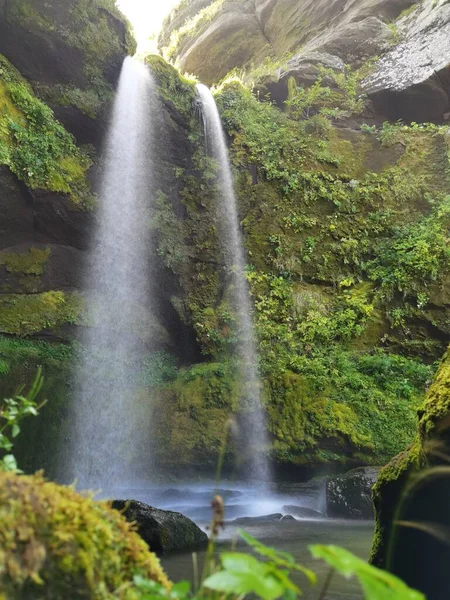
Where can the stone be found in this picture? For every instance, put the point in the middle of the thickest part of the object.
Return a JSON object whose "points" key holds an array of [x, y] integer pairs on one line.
{"points": [[348, 496], [412, 80], [163, 530], [72, 52], [288, 518], [257, 520], [302, 511]]}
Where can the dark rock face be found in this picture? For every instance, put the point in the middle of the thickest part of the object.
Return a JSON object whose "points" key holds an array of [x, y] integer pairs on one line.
{"points": [[72, 52], [349, 495], [419, 557], [412, 81], [163, 530]]}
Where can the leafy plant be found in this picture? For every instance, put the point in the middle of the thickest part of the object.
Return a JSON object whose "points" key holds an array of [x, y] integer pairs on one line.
{"points": [[12, 412], [376, 584]]}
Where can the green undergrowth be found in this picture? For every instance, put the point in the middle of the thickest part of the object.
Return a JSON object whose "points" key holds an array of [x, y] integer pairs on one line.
{"points": [[34, 145]]}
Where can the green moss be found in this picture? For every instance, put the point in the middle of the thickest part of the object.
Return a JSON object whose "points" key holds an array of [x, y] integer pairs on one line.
{"points": [[173, 87], [27, 314], [59, 544], [31, 263], [35, 146]]}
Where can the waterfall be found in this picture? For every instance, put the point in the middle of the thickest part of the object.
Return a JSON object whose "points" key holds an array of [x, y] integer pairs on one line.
{"points": [[109, 421], [252, 437]]}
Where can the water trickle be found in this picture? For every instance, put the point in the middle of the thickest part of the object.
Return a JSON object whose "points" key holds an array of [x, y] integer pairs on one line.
{"points": [[253, 433], [109, 422]]}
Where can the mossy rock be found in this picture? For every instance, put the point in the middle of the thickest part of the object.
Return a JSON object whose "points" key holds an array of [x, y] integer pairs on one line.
{"points": [[395, 478], [56, 543]]}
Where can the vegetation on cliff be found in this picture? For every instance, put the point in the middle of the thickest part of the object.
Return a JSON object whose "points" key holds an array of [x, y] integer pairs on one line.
{"points": [[37, 149], [347, 239]]}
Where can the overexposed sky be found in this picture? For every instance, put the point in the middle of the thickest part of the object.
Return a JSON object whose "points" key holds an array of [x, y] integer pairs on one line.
{"points": [[146, 17]]}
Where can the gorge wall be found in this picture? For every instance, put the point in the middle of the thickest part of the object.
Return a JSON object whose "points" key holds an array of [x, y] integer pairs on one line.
{"points": [[345, 220]]}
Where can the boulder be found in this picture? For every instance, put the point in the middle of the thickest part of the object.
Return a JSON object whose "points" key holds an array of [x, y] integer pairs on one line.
{"points": [[349, 495], [302, 511], [163, 530], [258, 520]]}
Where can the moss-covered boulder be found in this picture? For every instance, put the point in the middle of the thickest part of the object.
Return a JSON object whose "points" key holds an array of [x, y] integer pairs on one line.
{"points": [[55, 543], [429, 448]]}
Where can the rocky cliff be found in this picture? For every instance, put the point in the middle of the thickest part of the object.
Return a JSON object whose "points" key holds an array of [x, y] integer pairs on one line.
{"points": [[345, 217], [405, 41]]}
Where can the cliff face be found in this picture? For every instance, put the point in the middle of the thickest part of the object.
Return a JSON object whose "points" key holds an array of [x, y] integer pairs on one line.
{"points": [[276, 40], [71, 52], [345, 222]]}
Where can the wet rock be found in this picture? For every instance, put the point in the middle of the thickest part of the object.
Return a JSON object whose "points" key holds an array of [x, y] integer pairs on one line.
{"points": [[163, 530], [288, 518], [348, 496], [302, 511], [412, 81], [258, 520]]}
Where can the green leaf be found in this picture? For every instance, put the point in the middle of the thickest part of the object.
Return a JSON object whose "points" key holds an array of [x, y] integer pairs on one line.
{"points": [[377, 584], [9, 463], [245, 583], [15, 430], [281, 559]]}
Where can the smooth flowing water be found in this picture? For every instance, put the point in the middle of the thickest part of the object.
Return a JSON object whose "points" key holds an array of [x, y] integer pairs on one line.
{"points": [[252, 438], [110, 423]]}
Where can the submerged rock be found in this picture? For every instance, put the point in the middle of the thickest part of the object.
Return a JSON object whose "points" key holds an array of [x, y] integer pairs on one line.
{"points": [[163, 530], [258, 520], [349, 495], [302, 512]]}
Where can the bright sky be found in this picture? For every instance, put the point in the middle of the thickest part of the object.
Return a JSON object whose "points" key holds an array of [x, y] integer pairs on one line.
{"points": [[146, 17]]}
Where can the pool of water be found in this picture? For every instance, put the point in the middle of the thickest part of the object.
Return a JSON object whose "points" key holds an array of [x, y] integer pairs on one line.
{"points": [[293, 537], [242, 500]]}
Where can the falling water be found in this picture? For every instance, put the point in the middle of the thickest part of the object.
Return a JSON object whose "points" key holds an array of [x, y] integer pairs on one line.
{"points": [[253, 437], [107, 445]]}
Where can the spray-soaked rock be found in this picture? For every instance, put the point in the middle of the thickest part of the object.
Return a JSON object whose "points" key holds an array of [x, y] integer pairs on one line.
{"points": [[163, 530], [349, 495]]}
